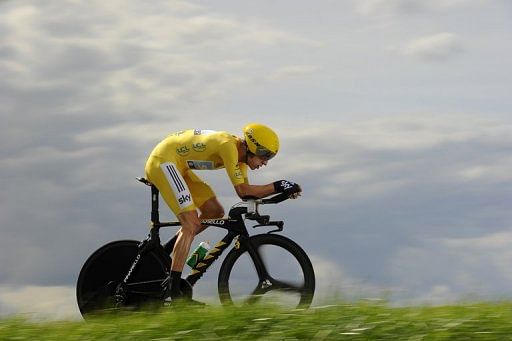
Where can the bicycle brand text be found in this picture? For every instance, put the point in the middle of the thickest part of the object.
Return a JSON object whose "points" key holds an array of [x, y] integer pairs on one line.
{"points": [[213, 221]]}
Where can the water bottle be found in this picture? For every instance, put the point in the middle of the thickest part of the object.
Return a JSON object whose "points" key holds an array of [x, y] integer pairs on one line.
{"points": [[198, 254]]}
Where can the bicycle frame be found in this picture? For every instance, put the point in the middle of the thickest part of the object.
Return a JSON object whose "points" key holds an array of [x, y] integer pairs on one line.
{"points": [[135, 274], [234, 225]]}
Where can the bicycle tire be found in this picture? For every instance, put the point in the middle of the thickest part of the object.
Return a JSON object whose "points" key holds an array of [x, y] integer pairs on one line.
{"points": [[287, 248], [107, 267]]}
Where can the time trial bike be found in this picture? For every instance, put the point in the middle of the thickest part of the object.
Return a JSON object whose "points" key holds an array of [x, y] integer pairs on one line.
{"points": [[266, 267]]}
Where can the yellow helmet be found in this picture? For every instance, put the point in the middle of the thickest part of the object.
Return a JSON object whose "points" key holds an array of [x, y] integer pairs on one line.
{"points": [[261, 140]]}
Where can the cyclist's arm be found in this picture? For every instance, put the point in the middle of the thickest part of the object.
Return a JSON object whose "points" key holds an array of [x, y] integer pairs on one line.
{"points": [[258, 191], [237, 173]]}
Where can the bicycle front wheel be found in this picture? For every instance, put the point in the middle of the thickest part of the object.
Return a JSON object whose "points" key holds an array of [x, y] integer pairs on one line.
{"points": [[278, 272], [106, 268]]}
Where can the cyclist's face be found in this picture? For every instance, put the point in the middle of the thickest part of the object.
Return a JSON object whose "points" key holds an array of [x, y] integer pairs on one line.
{"points": [[255, 162]]}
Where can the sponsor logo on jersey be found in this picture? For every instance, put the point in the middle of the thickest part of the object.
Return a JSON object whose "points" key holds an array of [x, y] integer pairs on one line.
{"points": [[183, 150], [203, 131], [200, 164], [199, 147], [178, 184], [238, 172], [184, 199]]}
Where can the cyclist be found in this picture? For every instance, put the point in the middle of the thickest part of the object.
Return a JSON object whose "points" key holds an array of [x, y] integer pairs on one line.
{"points": [[170, 167]]}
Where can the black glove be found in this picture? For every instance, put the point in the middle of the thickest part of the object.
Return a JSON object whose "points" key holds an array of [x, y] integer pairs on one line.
{"points": [[288, 187]]}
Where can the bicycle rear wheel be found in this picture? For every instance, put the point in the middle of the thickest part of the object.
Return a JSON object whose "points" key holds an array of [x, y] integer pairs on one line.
{"points": [[289, 280], [106, 268]]}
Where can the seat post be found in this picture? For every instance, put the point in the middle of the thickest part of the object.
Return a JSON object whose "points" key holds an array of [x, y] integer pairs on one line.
{"points": [[155, 217]]}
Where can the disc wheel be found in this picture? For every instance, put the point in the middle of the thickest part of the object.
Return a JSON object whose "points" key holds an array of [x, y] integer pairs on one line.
{"points": [[98, 287], [289, 279]]}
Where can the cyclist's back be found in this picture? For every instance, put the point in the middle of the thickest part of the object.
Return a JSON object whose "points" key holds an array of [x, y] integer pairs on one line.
{"points": [[202, 150]]}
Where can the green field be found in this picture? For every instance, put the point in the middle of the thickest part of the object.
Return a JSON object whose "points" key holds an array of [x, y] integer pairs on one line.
{"points": [[343, 321]]}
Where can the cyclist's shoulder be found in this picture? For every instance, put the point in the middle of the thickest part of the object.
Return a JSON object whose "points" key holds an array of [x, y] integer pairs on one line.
{"points": [[222, 138], [207, 134], [212, 138]]}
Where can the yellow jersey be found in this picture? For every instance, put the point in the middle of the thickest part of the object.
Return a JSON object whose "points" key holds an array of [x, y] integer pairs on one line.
{"points": [[197, 149]]}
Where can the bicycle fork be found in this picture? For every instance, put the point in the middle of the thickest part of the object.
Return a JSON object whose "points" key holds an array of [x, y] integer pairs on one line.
{"points": [[265, 282]]}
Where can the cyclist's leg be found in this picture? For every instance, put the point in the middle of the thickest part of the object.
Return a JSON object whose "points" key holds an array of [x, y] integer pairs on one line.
{"points": [[173, 188], [204, 198], [211, 209], [170, 183], [190, 225], [175, 192]]}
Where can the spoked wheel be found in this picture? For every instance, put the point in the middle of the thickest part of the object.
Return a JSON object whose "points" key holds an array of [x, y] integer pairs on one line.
{"points": [[286, 278], [99, 279]]}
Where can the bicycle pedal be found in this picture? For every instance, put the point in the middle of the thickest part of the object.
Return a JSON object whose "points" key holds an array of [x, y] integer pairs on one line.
{"points": [[120, 300]]}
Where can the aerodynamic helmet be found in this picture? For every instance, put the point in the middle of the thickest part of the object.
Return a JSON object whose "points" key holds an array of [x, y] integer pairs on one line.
{"points": [[261, 140]]}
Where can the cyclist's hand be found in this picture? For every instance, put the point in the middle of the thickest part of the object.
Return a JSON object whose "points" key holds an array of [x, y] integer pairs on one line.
{"points": [[295, 195], [291, 188]]}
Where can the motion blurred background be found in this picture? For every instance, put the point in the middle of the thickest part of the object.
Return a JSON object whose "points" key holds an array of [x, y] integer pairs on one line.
{"points": [[393, 115]]}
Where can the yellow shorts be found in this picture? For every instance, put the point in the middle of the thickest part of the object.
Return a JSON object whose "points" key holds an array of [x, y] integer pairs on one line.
{"points": [[181, 189]]}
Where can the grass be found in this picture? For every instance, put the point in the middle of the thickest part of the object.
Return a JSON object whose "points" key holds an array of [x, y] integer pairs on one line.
{"points": [[355, 321]]}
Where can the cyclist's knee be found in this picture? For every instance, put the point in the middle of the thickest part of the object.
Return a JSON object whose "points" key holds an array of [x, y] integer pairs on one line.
{"points": [[190, 230], [190, 223], [218, 212], [212, 209]]}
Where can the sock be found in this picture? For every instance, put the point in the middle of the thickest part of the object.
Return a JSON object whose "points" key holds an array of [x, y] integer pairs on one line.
{"points": [[175, 284]]}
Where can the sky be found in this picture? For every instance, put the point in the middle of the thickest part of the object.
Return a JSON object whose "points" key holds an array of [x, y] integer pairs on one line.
{"points": [[394, 117]]}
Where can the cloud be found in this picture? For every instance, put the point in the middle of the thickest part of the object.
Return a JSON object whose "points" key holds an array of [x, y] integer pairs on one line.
{"points": [[493, 249], [54, 303], [453, 269], [87, 89], [437, 47], [407, 6], [333, 282], [380, 156], [294, 71], [436, 295], [376, 187], [394, 193], [136, 69]]}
